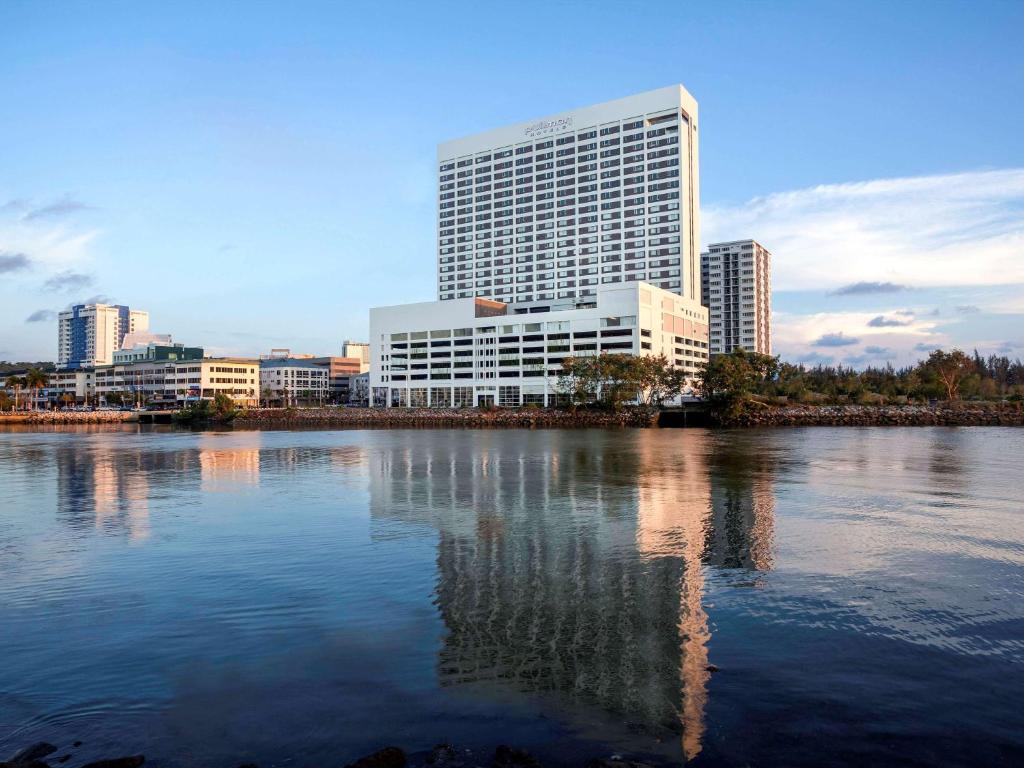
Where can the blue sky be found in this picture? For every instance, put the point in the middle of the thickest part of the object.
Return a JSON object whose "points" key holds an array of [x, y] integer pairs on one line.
{"points": [[237, 169]]}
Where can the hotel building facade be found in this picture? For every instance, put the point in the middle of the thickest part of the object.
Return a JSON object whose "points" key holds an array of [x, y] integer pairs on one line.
{"points": [[545, 212], [571, 235], [737, 291]]}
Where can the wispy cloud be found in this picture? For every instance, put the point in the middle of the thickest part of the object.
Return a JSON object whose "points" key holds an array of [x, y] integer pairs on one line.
{"points": [[875, 351], [967, 309], [835, 340], [865, 288], [878, 236], [881, 321], [41, 316], [68, 281], [99, 298], [43, 234], [63, 207], [13, 262]]}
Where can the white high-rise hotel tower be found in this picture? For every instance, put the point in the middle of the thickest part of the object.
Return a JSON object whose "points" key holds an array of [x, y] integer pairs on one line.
{"points": [[542, 213], [568, 236]]}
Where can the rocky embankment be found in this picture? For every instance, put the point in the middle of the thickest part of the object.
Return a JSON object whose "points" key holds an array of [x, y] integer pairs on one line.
{"points": [[43, 755], [444, 417], [69, 417], [958, 414]]}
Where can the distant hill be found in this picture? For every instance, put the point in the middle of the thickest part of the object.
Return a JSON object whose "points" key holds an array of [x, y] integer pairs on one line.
{"points": [[7, 366]]}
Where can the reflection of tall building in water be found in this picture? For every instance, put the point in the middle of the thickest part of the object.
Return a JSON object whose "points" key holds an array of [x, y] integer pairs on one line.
{"points": [[120, 495], [567, 569], [107, 486], [743, 502], [227, 460]]}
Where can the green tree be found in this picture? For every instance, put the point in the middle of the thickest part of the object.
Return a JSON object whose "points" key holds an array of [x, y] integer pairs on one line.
{"points": [[578, 380], [35, 380], [727, 382], [224, 408], [16, 383], [950, 369]]}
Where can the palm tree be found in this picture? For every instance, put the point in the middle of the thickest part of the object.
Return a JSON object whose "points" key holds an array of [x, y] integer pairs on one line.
{"points": [[15, 383], [35, 380]]}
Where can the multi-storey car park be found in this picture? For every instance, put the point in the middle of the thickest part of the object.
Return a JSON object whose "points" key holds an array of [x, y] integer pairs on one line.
{"points": [[544, 212], [474, 352]]}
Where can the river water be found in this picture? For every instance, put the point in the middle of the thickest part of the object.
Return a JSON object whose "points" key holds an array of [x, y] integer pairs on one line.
{"points": [[773, 597]]}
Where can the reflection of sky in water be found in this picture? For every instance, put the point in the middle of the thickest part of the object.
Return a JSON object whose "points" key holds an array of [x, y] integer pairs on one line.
{"points": [[313, 595]]}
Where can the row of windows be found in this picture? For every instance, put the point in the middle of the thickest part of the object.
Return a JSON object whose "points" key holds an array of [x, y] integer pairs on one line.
{"points": [[607, 135]]}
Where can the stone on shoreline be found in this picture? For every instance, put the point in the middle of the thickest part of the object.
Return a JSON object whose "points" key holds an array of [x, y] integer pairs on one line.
{"points": [[389, 757], [508, 757], [32, 753], [133, 761]]}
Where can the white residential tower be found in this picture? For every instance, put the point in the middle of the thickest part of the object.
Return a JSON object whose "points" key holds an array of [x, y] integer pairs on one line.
{"points": [[737, 291]]}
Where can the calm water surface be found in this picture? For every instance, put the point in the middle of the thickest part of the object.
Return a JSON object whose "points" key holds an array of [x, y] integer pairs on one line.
{"points": [[794, 597]]}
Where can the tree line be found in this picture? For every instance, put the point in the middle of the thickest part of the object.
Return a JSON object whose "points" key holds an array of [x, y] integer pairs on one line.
{"points": [[33, 380], [730, 380]]}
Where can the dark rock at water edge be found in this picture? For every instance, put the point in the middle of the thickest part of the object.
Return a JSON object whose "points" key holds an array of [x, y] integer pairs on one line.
{"points": [[508, 757], [447, 756], [31, 754], [134, 761], [389, 757]]}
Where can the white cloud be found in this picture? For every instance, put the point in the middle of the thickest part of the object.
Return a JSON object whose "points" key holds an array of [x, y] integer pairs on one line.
{"points": [[49, 243], [951, 230], [848, 337]]}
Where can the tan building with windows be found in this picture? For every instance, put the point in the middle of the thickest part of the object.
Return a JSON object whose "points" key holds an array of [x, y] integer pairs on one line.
{"points": [[182, 381]]}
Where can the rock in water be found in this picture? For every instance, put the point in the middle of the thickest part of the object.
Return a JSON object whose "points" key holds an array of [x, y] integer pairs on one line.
{"points": [[443, 755], [507, 757], [118, 762], [31, 754], [389, 757]]}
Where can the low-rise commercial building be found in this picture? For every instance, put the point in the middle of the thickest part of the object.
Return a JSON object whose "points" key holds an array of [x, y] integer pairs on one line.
{"points": [[473, 352], [340, 371], [72, 386], [176, 382], [294, 382], [360, 389], [154, 351]]}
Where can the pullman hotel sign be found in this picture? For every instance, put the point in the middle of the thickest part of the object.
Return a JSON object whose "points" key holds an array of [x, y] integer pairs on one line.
{"points": [[547, 127]]}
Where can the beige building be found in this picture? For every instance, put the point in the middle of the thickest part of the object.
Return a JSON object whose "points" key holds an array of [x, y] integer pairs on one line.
{"points": [[359, 350], [182, 381], [737, 291], [78, 383]]}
